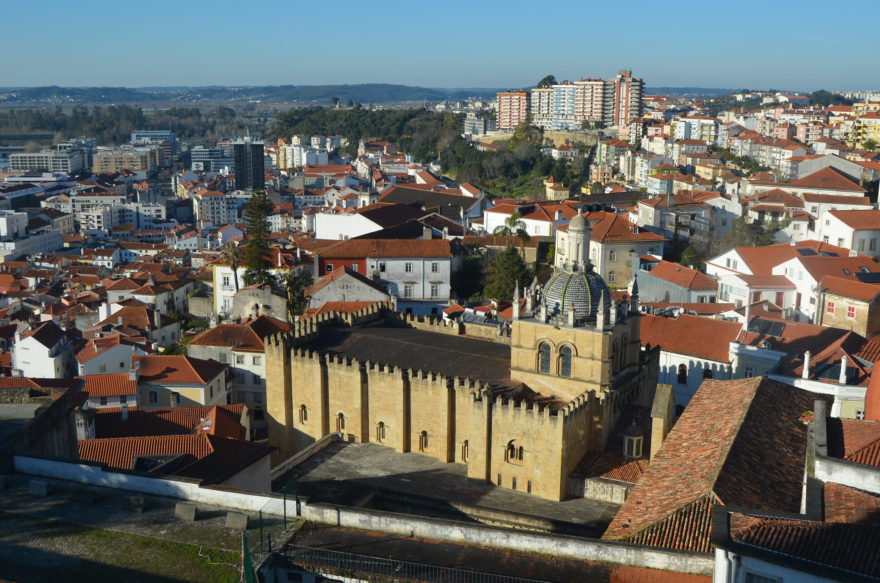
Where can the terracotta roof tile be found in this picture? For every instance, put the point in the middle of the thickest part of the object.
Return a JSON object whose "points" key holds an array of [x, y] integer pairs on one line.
{"points": [[827, 179], [390, 248], [221, 420], [706, 338], [176, 369], [737, 443], [850, 288], [109, 385], [683, 276], [859, 220]]}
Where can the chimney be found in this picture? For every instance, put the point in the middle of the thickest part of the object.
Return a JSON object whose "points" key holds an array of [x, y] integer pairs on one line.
{"points": [[842, 379], [805, 374]]}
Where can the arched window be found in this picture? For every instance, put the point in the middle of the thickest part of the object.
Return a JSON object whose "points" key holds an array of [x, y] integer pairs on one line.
{"points": [[511, 452], [340, 422], [682, 374], [303, 414], [544, 358], [423, 441], [464, 451], [513, 483], [380, 431], [520, 453], [565, 361], [707, 373]]}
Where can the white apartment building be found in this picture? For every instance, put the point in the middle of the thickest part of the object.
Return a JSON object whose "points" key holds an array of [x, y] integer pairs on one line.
{"points": [[66, 161]]}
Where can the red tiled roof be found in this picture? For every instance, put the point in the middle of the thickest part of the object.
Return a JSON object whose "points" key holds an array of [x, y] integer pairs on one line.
{"points": [[837, 199], [859, 220], [247, 336], [696, 336], [738, 443], [109, 385], [221, 420], [389, 248], [848, 547], [849, 505], [762, 260], [683, 276], [177, 369], [850, 288], [207, 457]]}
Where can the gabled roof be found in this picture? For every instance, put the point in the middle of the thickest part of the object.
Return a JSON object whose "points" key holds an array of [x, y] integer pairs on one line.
{"points": [[682, 276], [613, 228], [867, 220], [849, 288], [705, 338], [247, 336], [220, 420], [48, 334], [177, 370], [109, 385], [827, 179], [762, 260], [340, 273], [389, 248], [837, 199], [206, 457], [738, 443]]}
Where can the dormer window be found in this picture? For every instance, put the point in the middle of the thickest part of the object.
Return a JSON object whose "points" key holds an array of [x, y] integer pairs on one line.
{"points": [[633, 441]]}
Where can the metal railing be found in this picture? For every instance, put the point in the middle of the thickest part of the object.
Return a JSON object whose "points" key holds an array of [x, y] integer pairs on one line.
{"points": [[364, 566]]}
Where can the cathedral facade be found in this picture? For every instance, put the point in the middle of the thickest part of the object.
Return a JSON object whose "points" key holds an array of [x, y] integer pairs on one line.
{"points": [[520, 411]]}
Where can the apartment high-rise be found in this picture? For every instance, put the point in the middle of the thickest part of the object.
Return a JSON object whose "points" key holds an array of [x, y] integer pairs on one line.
{"points": [[589, 100], [623, 98], [513, 109], [249, 164]]}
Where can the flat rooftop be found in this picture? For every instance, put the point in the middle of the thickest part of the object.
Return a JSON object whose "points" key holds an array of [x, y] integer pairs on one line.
{"points": [[452, 356], [378, 477]]}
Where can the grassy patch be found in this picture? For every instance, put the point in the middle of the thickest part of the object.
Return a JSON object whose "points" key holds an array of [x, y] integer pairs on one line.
{"points": [[36, 550]]}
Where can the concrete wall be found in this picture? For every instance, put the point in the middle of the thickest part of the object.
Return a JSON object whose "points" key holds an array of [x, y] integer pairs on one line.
{"points": [[402, 525], [606, 490]]}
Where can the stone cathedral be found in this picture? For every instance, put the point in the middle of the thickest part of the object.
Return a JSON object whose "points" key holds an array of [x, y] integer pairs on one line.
{"points": [[519, 409]]}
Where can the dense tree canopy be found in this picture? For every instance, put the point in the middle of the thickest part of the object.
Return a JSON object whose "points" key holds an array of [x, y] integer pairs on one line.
{"points": [[504, 273]]}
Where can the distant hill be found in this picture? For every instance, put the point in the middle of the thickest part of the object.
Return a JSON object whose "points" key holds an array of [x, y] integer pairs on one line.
{"points": [[304, 94]]}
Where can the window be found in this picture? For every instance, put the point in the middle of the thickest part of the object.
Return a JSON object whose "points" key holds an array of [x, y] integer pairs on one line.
{"points": [[223, 357], [682, 374], [464, 450], [520, 453], [226, 281], [303, 414], [707, 373], [840, 241], [407, 267], [851, 312], [544, 358], [354, 267], [861, 244], [407, 290], [513, 483], [121, 365], [872, 245], [499, 479], [435, 267], [211, 391], [329, 267], [380, 432], [510, 454], [612, 256], [175, 398], [748, 372], [340, 422], [633, 446], [435, 290], [565, 361], [153, 397], [423, 441], [239, 359], [123, 399], [830, 308], [102, 368], [860, 414], [257, 360], [103, 400], [382, 266]]}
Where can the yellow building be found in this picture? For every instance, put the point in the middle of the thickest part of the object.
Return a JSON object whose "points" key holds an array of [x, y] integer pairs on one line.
{"points": [[520, 411], [866, 127]]}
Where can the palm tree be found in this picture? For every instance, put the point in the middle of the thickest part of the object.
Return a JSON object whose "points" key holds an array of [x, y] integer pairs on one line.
{"points": [[513, 226], [232, 255]]}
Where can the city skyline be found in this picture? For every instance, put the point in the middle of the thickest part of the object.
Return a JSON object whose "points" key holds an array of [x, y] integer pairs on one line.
{"points": [[489, 45]]}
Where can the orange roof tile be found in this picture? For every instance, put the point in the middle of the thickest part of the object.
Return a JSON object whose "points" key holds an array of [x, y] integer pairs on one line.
{"points": [[827, 179], [109, 385], [706, 338], [683, 276], [176, 369]]}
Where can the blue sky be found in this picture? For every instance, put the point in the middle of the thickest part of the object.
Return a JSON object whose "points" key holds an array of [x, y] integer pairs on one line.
{"points": [[802, 45]]}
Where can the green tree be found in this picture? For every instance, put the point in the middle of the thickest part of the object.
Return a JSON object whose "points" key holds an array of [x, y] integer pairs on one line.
{"points": [[513, 226], [256, 218], [469, 279], [869, 144], [742, 233], [295, 284], [547, 81], [506, 271], [232, 255]]}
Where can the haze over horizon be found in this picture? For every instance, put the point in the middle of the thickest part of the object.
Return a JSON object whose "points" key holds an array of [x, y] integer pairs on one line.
{"points": [[463, 45]]}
